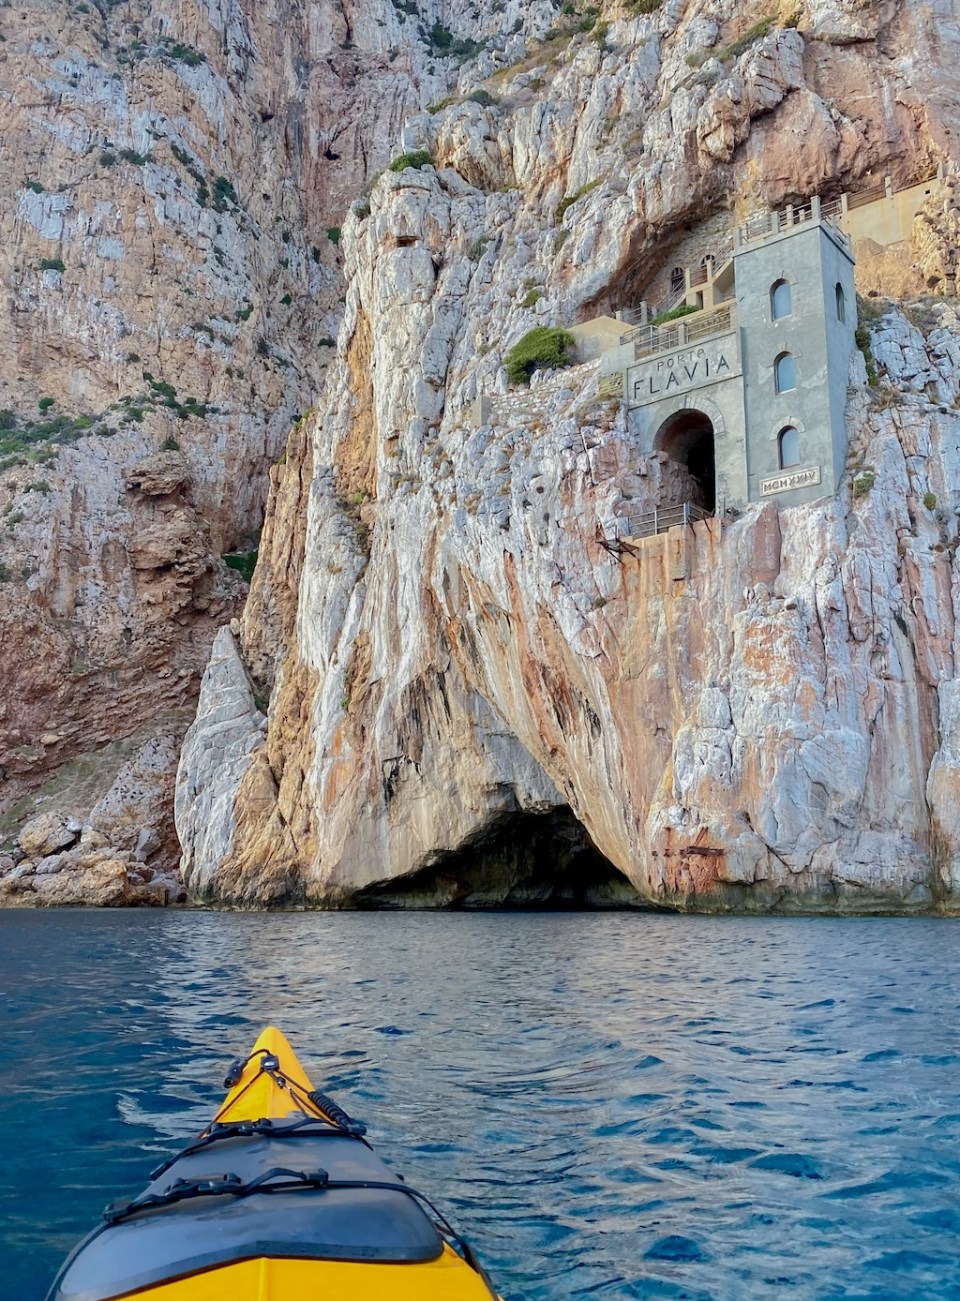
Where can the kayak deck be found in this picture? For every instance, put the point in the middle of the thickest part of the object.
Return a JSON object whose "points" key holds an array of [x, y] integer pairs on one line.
{"points": [[447, 1279], [280, 1197], [257, 1094]]}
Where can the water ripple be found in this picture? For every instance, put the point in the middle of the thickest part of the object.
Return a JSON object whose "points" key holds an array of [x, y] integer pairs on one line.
{"points": [[611, 1106]]}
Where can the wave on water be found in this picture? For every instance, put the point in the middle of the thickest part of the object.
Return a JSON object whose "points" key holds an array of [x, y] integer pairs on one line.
{"points": [[610, 1105]]}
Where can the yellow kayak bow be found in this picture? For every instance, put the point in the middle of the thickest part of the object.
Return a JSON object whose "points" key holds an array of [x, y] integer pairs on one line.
{"points": [[280, 1197]]}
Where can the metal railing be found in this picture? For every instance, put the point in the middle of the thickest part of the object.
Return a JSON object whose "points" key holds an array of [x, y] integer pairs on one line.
{"points": [[863, 197], [723, 253], [886, 189], [697, 276], [647, 524], [648, 340], [704, 325], [758, 226], [668, 301]]}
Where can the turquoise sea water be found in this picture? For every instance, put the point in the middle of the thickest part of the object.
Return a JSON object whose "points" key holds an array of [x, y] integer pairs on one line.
{"points": [[609, 1105]]}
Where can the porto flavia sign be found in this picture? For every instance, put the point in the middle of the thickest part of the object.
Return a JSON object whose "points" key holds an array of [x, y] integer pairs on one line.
{"points": [[678, 371]]}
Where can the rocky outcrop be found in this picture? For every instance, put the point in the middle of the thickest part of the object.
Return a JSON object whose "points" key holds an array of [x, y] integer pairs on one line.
{"points": [[943, 793], [58, 862], [771, 69], [108, 622], [175, 177], [121, 852], [937, 236], [761, 733], [173, 236], [88, 879], [216, 757], [456, 644]]}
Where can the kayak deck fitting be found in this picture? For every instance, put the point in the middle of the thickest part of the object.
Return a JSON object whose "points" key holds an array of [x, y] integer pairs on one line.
{"points": [[280, 1197]]}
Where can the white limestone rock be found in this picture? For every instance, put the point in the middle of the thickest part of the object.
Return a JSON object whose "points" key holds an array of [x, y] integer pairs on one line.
{"points": [[446, 641], [760, 733], [217, 751]]}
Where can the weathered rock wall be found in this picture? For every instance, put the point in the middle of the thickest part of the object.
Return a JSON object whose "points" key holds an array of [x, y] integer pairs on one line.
{"points": [[758, 733], [174, 178], [765, 722]]}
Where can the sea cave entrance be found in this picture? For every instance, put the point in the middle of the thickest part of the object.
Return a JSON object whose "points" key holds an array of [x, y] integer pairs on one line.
{"points": [[519, 861], [687, 438]]}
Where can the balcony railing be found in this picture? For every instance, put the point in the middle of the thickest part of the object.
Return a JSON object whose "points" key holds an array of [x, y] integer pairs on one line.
{"points": [[863, 197], [649, 340], [646, 524], [759, 226], [887, 189]]}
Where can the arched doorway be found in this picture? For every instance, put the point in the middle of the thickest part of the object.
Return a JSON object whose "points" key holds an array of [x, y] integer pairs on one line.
{"points": [[687, 438]]}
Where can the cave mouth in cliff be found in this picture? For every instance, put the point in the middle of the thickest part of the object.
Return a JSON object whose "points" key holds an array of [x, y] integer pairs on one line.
{"points": [[687, 438], [518, 861]]}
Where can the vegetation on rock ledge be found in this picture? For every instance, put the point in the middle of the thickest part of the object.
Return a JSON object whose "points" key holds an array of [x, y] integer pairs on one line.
{"points": [[570, 199], [684, 309], [24, 441], [417, 158], [244, 562], [543, 347]]}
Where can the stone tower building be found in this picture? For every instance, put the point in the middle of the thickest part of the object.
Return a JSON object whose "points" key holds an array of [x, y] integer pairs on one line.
{"points": [[747, 389]]}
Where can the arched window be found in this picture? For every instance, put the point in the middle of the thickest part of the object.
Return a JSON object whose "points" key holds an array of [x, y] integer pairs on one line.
{"points": [[781, 300], [677, 279], [788, 446], [785, 372], [841, 303]]}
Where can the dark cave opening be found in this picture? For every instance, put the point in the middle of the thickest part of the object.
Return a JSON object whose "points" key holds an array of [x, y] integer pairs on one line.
{"points": [[520, 861], [687, 438]]}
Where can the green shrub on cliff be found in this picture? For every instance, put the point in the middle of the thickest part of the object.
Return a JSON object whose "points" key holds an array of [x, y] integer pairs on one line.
{"points": [[443, 42], [417, 159], [685, 309], [24, 441], [865, 344], [569, 200], [543, 347], [244, 562], [755, 33]]}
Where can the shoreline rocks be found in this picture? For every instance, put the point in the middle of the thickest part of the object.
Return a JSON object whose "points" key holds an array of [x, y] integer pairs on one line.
{"points": [[59, 862]]}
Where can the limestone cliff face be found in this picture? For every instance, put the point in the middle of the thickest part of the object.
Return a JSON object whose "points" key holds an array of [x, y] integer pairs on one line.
{"points": [[448, 648], [174, 176]]}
